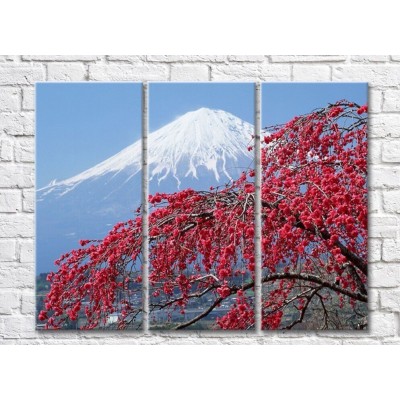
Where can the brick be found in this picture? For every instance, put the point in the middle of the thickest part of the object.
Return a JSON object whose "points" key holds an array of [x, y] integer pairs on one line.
{"points": [[189, 72], [126, 58], [7, 250], [28, 98], [382, 324], [384, 125], [16, 176], [374, 250], [375, 99], [391, 101], [382, 227], [28, 200], [391, 201], [20, 75], [13, 58], [71, 58], [16, 225], [16, 276], [373, 299], [18, 326], [371, 58], [66, 72], [17, 123], [24, 150], [6, 150], [26, 251], [28, 303], [10, 201], [390, 299], [244, 58], [384, 275], [10, 99], [188, 58], [306, 73], [374, 152], [9, 301], [385, 177], [374, 201], [391, 151], [395, 58], [127, 72], [240, 72], [305, 58], [374, 74], [391, 250], [275, 72]]}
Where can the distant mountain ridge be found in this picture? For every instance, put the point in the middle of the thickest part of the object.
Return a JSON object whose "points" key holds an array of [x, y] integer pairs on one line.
{"points": [[200, 149]]}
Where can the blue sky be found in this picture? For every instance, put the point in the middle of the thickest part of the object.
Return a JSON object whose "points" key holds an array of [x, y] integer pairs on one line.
{"points": [[283, 101], [81, 124], [167, 101]]}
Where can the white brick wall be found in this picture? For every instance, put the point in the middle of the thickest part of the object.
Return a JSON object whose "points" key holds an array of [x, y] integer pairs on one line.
{"points": [[17, 76]]}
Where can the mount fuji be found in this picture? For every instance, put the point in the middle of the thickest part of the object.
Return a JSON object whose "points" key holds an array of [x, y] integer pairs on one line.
{"points": [[200, 149]]}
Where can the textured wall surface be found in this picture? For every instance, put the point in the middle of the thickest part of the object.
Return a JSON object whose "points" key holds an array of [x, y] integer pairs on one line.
{"points": [[17, 166]]}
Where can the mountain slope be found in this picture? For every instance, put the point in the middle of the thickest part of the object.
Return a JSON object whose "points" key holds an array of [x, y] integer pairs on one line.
{"points": [[202, 148]]}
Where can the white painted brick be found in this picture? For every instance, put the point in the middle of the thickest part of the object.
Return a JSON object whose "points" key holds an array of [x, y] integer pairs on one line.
{"points": [[391, 250], [16, 225], [28, 303], [382, 227], [9, 301], [375, 99], [24, 150], [7, 250], [374, 201], [384, 275], [188, 58], [374, 74], [275, 73], [391, 151], [10, 200], [390, 299], [368, 59], [305, 73], [384, 125], [18, 326], [382, 324], [374, 152], [385, 177], [28, 98], [127, 72], [13, 58], [21, 123], [66, 72], [25, 251], [61, 58], [391, 102], [240, 72], [16, 176], [20, 75], [374, 250], [296, 59], [373, 299], [244, 58], [28, 200], [15, 276], [189, 72], [126, 58], [6, 150], [391, 201], [395, 58], [10, 99]]}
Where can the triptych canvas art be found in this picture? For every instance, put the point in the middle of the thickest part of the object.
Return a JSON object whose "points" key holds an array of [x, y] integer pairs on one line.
{"points": [[179, 249]]}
